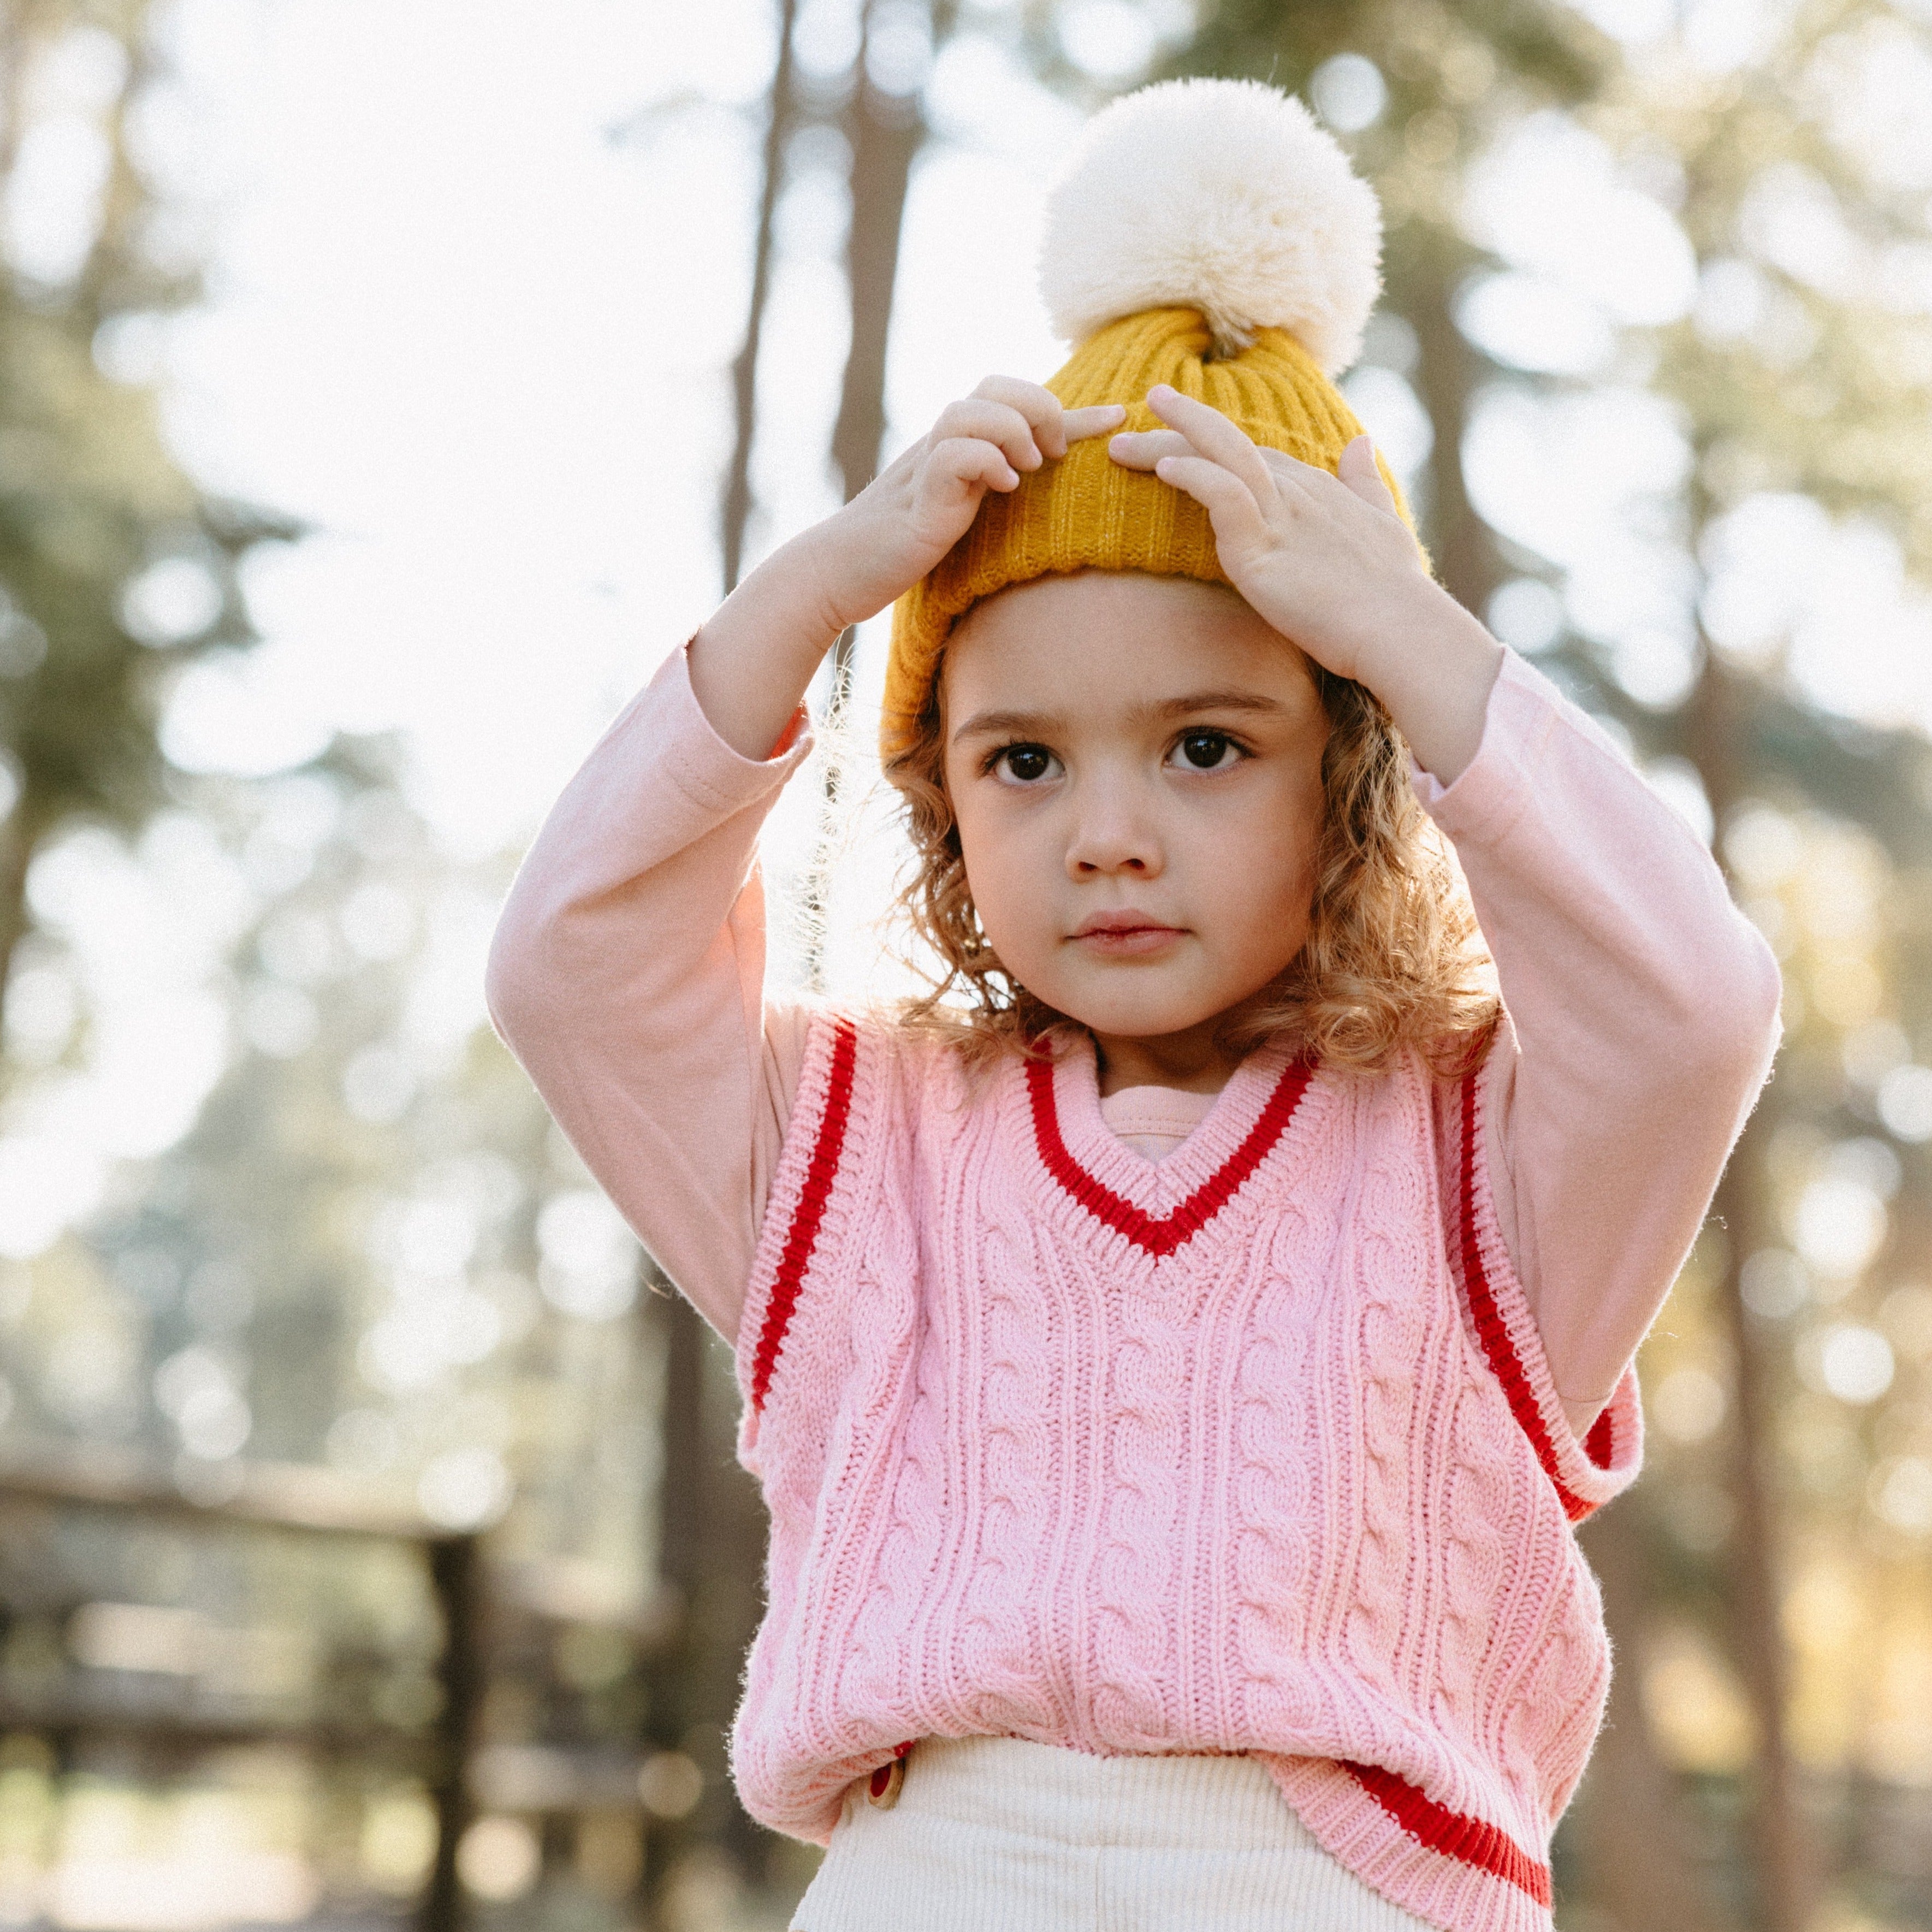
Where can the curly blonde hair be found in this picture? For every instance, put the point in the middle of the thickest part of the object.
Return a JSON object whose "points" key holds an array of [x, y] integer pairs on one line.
{"points": [[1393, 960]]}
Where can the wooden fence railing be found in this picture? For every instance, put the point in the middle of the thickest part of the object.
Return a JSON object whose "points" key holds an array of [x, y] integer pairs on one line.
{"points": [[306, 1501]]}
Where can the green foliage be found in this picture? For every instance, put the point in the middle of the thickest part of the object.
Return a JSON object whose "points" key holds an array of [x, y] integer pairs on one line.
{"points": [[115, 567]]}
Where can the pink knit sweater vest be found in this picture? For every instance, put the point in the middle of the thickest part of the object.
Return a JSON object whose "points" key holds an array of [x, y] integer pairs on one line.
{"points": [[1252, 1449]]}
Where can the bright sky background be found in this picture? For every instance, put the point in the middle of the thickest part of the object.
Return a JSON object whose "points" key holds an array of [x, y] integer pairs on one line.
{"points": [[478, 284], [478, 336], [476, 271]]}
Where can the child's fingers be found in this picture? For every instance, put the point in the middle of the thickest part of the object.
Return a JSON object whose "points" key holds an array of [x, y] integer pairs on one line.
{"points": [[1290, 473], [1142, 449], [1045, 420], [1095, 419], [1357, 471], [1362, 474], [1313, 472], [1213, 436], [1229, 501], [996, 423], [972, 459]]}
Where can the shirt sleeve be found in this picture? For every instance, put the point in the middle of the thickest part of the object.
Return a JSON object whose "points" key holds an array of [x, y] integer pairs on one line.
{"points": [[627, 975], [1641, 1019]]}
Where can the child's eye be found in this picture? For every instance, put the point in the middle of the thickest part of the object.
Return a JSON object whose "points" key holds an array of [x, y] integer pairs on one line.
{"points": [[1023, 764], [1204, 751]]}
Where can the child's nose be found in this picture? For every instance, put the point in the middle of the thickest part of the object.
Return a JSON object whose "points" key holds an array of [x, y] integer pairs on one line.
{"points": [[1114, 834]]}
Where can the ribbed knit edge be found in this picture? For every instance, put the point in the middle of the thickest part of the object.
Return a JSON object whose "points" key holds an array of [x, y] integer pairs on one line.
{"points": [[817, 1137], [1225, 1151], [1354, 1827], [1344, 1816], [1587, 1474], [832, 1133], [1086, 511]]}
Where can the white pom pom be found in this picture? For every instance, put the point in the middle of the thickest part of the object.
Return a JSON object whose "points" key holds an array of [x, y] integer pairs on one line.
{"points": [[1219, 195]]}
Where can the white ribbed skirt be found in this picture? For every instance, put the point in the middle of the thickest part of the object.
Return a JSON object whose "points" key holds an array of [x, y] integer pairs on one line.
{"points": [[998, 1834]]}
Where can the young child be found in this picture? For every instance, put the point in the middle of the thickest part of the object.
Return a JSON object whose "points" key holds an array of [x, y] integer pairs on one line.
{"points": [[1176, 1360]]}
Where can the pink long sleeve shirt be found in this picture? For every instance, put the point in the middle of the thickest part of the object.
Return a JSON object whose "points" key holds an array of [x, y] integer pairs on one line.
{"points": [[627, 976]]}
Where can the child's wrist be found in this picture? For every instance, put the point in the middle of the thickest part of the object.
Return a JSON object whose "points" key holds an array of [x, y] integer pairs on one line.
{"points": [[1422, 637], [824, 568], [1433, 664], [801, 579], [753, 657]]}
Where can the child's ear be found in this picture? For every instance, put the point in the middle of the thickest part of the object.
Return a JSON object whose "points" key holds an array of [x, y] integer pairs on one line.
{"points": [[1359, 470]]}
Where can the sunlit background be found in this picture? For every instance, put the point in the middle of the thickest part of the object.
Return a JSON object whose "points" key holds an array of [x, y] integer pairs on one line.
{"points": [[370, 1548]]}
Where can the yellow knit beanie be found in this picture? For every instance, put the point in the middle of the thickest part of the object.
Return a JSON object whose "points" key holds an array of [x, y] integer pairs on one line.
{"points": [[1206, 235]]}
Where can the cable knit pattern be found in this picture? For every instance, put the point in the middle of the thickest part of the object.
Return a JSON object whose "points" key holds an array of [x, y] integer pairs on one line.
{"points": [[1252, 1449]]}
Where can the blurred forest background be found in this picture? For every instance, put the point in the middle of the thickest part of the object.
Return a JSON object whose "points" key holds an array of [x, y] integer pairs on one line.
{"points": [[371, 1549]]}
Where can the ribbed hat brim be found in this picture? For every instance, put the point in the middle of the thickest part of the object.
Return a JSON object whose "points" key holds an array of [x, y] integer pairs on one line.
{"points": [[1088, 512]]}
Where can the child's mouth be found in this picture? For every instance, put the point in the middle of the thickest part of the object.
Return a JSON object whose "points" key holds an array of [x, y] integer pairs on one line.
{"points": [[1126, 934]]}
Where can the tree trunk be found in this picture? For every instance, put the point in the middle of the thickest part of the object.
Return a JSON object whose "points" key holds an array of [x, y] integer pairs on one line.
{"points": [[671, 1678], [711, 1565], [1638, 1868], [1782, 1854], [885, 132], [455, 1574], [17, 843], [18, 30], [699, 1503], [735, 511], [1460, 544]]}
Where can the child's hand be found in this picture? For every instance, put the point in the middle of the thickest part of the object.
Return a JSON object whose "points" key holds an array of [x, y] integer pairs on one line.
{"points": [[754, 657], [1315, 554], [1328, 562], [890, 535]]}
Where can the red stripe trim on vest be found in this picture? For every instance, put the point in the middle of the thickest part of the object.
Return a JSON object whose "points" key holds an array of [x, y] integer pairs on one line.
{"points": [[1493, 1332], [802, 1237], [1163, 1236], [1468, 1840]]}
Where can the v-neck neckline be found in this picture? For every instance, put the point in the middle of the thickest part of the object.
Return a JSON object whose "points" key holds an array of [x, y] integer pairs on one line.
{"points": [[1159, 1205]]}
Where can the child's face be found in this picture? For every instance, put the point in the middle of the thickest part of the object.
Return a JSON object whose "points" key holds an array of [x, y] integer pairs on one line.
{"points": [[1134, 763]]}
